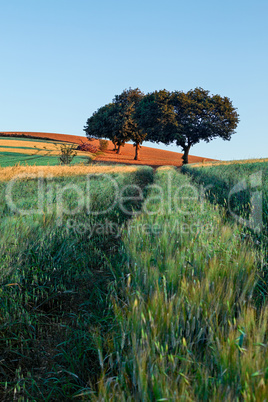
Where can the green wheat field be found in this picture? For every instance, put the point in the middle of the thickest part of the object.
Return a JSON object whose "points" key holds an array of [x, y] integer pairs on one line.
{"points": [[161, 297]]}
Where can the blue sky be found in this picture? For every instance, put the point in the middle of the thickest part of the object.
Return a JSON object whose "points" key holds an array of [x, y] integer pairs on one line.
{"points": [[63, 59]]}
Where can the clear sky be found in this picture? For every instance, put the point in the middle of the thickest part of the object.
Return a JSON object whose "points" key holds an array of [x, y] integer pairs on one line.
{"points": [[63, 59]]}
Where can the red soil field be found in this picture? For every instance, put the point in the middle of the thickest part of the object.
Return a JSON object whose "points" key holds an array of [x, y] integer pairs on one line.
{"points": [[148, 156]]}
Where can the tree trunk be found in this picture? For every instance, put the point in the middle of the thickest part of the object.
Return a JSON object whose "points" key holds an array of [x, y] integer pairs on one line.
{"points": [[186, 154], [115, 146], [137, 152], [118, 149]]}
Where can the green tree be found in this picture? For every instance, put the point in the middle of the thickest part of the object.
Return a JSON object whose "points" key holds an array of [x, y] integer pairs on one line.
{"points": [[117, 122], [156, 117], [126, 126], [100, 124], [163, 116], [201, 116], [187, 118]]}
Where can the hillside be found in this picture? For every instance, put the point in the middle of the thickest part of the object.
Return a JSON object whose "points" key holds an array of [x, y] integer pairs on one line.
{"points": [[148, 156]]}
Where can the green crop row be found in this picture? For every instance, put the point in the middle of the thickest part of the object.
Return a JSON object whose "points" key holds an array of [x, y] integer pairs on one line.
{"points": [[190, 324], [55, 275], [13, 158], [242, 189]]}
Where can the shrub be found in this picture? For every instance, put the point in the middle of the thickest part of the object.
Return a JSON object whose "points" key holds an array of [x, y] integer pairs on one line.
{"points": [[67, 153], [87, 148], [103, 145]]}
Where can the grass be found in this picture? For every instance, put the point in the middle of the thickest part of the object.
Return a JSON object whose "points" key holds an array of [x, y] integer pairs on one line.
{"points": [[158, 299], [232, 162], [13, 158], [187, 325], [55, 281], [239, 188]]}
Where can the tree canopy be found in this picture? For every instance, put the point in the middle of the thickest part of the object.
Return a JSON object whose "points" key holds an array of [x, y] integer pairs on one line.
{"points": [[117, 122], [200, 116], [127, 126], [187, 118], [101, 123], [163, 116]]}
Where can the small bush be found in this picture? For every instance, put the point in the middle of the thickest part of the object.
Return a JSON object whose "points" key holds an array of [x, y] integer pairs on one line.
{"points": [[87, 148], [67, 153], [103, 145]]}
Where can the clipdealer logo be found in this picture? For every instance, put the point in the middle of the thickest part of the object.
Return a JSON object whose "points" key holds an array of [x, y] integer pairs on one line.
{"points": [[51, 199]]}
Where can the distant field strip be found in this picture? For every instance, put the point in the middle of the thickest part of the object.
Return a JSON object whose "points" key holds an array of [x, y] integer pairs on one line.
{"points": [[35, 151], [30, 147], [12, 159], [30, 152], [234, 162], [10, 172], [30, 140]]}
